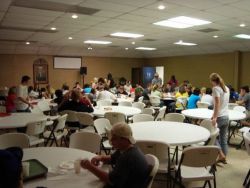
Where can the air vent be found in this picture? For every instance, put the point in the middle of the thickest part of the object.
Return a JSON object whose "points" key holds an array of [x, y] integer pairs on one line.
{"points": [[208, 30], [114, 46], [53, 6], [149, 40], [28, 29]]}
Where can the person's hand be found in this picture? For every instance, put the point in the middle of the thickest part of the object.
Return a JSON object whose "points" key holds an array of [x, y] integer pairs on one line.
{"points": [[31, 105], [96, 160], [214, 121], [85, 164]]}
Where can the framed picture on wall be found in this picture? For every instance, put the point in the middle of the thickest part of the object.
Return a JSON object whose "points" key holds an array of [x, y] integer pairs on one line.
{"points": [[40, 73]]}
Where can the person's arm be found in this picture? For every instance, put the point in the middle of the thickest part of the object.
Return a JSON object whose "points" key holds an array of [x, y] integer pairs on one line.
{"points": [[216, 110]]}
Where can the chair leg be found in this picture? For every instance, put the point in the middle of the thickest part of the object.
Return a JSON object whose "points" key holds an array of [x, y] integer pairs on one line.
{"points": [[209, 184], [247, 180]]}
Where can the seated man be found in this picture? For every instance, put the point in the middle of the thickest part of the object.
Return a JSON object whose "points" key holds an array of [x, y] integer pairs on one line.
{"points": [[244, 100], [130, 168]]}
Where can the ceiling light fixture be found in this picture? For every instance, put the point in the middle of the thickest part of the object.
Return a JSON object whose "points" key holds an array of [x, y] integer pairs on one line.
{"points": [[185, 43], [126, 48], [90, 48], [242, 25], [161, 5], [27, 42], [242, 36], [97, 42], [145, 48], [133, 43], [215, 36], [74, 16], [53, 28], [70, 38], [126, 35], [182, 22]]}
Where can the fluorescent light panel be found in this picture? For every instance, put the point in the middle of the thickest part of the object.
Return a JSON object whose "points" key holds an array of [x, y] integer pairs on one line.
{"points": [[182, 22], [126, 35], [97, 42], [185, 43], [145, 48], [242, 36]]}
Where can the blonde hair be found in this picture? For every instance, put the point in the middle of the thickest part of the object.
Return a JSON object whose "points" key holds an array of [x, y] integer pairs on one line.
{"points": [[215, 77]]}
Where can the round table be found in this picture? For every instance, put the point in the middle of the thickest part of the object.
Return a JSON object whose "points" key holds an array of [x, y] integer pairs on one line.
{"points": [[172, 133], [51, 157], [126, 99], [128, 111], [16, 120], [203, 113]]}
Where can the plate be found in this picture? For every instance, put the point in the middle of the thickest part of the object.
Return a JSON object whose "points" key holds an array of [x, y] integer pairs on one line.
{"points": [[68, 165]]}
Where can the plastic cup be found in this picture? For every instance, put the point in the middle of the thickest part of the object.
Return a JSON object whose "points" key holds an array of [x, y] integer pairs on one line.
{"points": [[77, 166], [26, 168]]}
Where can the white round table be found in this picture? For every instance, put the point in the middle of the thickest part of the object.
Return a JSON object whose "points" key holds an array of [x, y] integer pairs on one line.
{"points": [[203, 113], [16, 120], [51, 157], [128, 111], [172, 133]]}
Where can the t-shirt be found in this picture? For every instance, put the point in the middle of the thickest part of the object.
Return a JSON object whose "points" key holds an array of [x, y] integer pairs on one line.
{"points": [[246, 99], [10, 103], [192, 101], [224, 100], [156, 93], [75, 106], [207, 98], [178, 95], [22, 91], [130, 169], [157, 81], [105, 95]]}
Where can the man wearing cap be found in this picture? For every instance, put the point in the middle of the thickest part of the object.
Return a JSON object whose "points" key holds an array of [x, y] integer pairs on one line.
{"points": [[157, 80], [130, 168]]}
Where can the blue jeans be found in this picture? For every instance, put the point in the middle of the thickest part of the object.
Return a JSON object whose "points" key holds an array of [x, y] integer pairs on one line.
{"points": [[223, 123]]}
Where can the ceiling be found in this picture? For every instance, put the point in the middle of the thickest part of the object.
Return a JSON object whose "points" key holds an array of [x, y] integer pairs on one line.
{"points": [[19, 24]]}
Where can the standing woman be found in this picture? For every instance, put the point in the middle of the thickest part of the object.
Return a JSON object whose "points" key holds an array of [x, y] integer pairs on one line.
{"points": [[220, 116]]}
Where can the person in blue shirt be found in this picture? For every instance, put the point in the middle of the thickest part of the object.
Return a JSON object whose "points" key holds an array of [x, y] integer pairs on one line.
{"points": [[193, 99]]}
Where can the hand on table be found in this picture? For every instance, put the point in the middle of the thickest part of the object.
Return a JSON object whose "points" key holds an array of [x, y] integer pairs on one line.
{"points": [[96, 160], [85, 164]]}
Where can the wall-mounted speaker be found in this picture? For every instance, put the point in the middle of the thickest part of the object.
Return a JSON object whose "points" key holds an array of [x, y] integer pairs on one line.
{"points": [[83, 70]]}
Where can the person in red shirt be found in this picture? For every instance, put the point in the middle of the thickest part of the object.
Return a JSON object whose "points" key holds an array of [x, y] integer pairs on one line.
{"points": [[10, 101]]}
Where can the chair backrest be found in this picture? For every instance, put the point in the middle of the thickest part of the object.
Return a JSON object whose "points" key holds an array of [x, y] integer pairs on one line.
{"points": [[87, 141], [35, 128], [3, 109], [149, 111], [104, 103], [161, 114], [71, 115], [160, 150], [115, 117], [153, 163], [207, 124], [202, 104], [142, 118], [61, 122], [140, 99], [232, 105], [154, 100], [102, 125], [36, 110], [240, 109], [85, 118], [14, 140], [125, 103], [183, 101], [213, 137], [175, 117], [200, 156], [139, 105], [246, 136], [44, 105]]}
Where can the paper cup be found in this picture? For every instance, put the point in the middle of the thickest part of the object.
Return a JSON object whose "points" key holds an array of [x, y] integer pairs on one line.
{"points": [[26, 169], [77, 166]]}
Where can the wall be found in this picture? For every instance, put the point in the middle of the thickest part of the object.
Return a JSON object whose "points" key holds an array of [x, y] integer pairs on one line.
{"points": [[196, 68], [13, 67], [244, 69]]}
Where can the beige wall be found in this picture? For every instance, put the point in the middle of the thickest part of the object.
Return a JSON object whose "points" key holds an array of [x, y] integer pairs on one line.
{"points": [[13, 67], [196, 68], [244, 69]]}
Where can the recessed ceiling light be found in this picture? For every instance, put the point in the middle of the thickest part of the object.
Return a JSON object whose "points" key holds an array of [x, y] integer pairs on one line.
{"points": [[242, 36], [70, 38], [215, 36], [145, 48], [133, 43], [97, 42], [185, 43], [126, 48], [74, 16], [90, 48], [242, 25], [126, 35], [182, 22], [161, 7], [27, 42], [53, 28]]}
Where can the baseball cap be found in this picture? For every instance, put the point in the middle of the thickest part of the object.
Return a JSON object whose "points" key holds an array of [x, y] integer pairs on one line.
{"points": [[123, 130], [156, 74]]}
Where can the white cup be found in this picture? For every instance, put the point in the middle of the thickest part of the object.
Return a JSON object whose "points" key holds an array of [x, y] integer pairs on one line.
{"points": [[26, 168], [77, 166]]}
